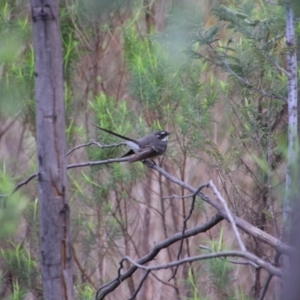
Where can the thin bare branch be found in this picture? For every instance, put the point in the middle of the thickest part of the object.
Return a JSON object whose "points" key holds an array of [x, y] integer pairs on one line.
{"points": [[241, 223], [194, 195], [243, 262], [236, 262], [10, 124], [269, 278], [112, 285], [276, 65], [230, 217], [245, 254], [97, 163], [72, 166], [205, 248], [133, 296], [20, 184], [97, 144], [265, 287], [174, 196], [187, 196]]}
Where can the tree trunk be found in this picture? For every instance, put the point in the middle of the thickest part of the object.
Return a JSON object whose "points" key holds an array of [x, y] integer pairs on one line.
{"points": [[55, 238], [292, 151]]}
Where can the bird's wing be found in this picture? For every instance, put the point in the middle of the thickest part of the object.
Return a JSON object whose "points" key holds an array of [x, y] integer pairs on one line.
{"points": [[147, 152], [144, 153]]}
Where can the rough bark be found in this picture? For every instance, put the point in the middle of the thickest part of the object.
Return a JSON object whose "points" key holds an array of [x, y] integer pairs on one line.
{"points": [[292, 152], [55, 240], [291, 287]]}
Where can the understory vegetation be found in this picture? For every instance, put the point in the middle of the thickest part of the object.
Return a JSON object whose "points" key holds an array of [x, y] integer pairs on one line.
{"points": [[215, 77]]}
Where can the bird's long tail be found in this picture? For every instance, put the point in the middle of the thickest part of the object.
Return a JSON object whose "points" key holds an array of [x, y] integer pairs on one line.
{"points": [[116, 134]]}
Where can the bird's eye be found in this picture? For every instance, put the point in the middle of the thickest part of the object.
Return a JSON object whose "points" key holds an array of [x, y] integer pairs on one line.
{"points": [[161, 134]]}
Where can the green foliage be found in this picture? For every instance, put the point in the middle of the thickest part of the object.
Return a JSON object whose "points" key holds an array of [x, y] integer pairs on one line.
{"points": [[219, 272], [11, 206], [13, 34], [19, 263], [296, 8], [170, 86], [172, 81], [254, 39], [193, 288], [240, 295], [110, 115], [17, 293], [69, 41], [96, 186], [84, 292], [251, 52], [219, 269]]}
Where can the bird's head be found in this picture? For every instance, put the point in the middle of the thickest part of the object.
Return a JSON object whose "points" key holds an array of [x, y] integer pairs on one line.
{"points": [[162, 135]]}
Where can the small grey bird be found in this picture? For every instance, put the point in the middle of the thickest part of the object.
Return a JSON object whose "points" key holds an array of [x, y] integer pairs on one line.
{"points": [[149, 146]]}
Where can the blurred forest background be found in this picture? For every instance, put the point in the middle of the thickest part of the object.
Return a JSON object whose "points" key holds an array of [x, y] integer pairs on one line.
{"points": [[212, 73]]}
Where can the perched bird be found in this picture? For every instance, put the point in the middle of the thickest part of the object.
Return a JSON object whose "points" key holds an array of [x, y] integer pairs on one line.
{"points": [[149, 146]]}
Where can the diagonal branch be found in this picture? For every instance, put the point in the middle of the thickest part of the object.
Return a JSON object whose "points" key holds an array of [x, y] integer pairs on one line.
{"points": [[230, 217], [245, 254], [133, 296], [95, 143], [242, 224], [112, 285], [194, 195]]}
